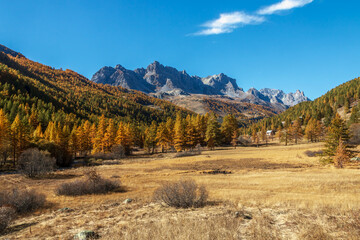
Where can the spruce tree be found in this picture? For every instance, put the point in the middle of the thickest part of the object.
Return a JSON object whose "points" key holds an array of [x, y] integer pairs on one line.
{"points": [[337, 130], [180, 134], [212, 132], [150, 137], [162, 137], [228, 126], [19, 137], [4, 135]]}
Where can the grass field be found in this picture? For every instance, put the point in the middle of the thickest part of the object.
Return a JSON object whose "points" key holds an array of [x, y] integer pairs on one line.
{"points": [[273, 192]]}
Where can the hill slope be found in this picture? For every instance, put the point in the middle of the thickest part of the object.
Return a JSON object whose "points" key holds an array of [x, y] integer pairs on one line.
{"points": [[27, 86], [343, 98]]}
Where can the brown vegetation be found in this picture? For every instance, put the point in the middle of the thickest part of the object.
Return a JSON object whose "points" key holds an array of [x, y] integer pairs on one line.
{"points": [[264, 196], [7, 214], [93, 184], [33, 162], [182, 194], [22, 201]]}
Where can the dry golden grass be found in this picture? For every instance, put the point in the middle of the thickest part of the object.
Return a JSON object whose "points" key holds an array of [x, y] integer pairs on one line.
{"points": [[288, 194]]}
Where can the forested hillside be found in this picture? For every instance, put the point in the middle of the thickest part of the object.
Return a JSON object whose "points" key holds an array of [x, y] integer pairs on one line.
{"points": [[54, 109], [324, 108], [27, 87]]}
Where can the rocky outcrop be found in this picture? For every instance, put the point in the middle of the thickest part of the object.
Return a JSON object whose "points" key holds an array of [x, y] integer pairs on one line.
{"points": [[160, 81]]}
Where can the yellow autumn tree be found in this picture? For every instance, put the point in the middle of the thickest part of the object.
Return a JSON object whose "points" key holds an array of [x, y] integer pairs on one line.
{"points": [[19, 137], [180, 134], [109, 136], [162, 136], [4, 135], [99, 144]]}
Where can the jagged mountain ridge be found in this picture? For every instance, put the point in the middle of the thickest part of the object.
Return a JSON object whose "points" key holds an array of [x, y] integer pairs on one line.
{"points": [[160, 81]]}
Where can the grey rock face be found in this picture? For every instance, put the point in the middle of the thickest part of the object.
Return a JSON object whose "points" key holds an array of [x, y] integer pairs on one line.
{"points": [[161, 80], [288, 99], [157, 78]]}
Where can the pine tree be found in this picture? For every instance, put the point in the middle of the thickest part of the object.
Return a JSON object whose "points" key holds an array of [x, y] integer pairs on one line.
{"points": [[109, 136], [162, 137], [234, 139], [212, 132], [192, 135], [341, 155], [124, 137], [228, 126], [201, 126], [263, 134], [296, 131], [4, 135], [92, 133], [74, 142], [99, 144], [180, 134], [38, 134], [19, 137], [85, 137], [337, 130], [279, 134], [150, 137], [171, 131]]}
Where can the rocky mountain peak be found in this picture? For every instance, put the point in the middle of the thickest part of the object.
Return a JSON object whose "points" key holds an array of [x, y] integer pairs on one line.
{"points": [[164, 80]]}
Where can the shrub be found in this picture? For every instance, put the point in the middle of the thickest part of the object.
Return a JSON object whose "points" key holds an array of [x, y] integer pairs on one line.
{"points": [[63, 156], [33, 162], [182, 194], [22, 201], [93, 184], [7, 214]]}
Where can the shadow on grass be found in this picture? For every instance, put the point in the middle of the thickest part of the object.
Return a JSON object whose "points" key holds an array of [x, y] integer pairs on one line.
{"points": [[17, 228], [56, 176]]}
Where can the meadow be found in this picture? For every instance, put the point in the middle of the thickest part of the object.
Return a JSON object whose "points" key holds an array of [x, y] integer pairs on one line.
{"points": [[266, 192]]}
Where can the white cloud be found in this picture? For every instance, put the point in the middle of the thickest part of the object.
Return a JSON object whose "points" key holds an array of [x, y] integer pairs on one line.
{"points": [[227, 22], [283, 5]]}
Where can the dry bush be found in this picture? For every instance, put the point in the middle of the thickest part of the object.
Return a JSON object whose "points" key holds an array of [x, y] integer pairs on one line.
{"points": [[7, 214], [22, 201], [93, 184], [181, 194], [313, 153], [33, 162], [182, 228]]}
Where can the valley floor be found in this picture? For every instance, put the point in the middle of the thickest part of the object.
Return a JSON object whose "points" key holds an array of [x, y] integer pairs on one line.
{"points": [[273, 192]]}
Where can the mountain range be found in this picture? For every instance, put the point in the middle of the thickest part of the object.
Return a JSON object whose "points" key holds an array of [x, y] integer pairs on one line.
{"points": [[164, 81], [154, 93]]}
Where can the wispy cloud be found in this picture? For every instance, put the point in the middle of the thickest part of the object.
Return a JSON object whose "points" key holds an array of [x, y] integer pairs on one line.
{"points": [[283, 5], [227, 22]]}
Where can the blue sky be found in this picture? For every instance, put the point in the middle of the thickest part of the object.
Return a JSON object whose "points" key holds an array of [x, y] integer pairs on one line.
{"points": [[311, 45]]}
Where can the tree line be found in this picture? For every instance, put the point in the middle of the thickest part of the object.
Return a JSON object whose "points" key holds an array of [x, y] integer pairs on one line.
{"points": [[66, 141]]}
